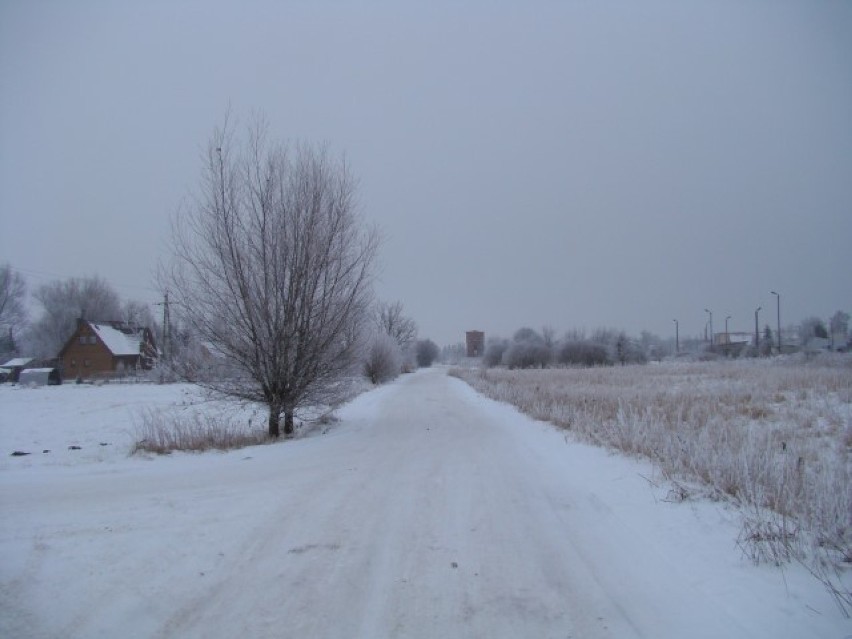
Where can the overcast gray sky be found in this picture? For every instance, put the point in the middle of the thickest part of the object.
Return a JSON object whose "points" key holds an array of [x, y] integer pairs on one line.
{"points": [[576, 164]]}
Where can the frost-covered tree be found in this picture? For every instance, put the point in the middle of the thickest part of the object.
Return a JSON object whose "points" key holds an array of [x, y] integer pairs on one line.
{"points": [[453, 353], [13, 291], [652, 346], [391, 320], [272, 265], [427, 352], [839, 325], [767, 342], [583, 353], [62, 303], [138, 314], [810, 328], [548, 335], [494, 349], [527, 350]]}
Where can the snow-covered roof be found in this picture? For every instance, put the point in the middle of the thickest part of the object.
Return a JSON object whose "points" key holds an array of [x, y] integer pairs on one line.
{"points": [[18, 361], [116, 341]]}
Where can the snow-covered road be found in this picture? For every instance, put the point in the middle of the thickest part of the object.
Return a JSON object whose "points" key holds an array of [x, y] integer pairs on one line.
{"points": [[427, 511]]}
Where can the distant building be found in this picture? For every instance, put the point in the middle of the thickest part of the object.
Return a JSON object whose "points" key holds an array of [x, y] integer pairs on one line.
{"points": [[725, 339], [475, 343], [104, 349], [733, 343]]}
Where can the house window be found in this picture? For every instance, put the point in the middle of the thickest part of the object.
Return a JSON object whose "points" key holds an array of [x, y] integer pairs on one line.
{"points": [[83, 339], [93, 339], [73, 363], [86, 363]]}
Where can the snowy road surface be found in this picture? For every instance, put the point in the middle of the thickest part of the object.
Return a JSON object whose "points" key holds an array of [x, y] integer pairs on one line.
{"points": [[428, 511]]}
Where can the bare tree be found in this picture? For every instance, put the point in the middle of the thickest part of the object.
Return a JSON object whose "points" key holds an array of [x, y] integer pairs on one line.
{"points": [[390, 320], [273, 267]]}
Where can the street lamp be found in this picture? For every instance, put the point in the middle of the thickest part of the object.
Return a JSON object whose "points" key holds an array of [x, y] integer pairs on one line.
{"points": [[778, 301], [727, 337], [708, 311], [756, 329], [677, 337]]}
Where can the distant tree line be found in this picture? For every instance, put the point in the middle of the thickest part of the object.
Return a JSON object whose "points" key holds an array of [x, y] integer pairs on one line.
{"points": [[529, 348]]}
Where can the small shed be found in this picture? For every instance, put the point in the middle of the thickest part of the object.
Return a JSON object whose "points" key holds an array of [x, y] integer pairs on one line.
{"points": [[15, 366], [40, 377]]}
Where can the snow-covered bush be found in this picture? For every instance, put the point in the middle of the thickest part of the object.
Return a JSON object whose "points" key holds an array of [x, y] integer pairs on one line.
{"points": [[383, 359]]}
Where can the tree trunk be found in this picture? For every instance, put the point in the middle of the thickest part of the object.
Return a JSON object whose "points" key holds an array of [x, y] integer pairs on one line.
{"points": [[274, 421], [288, 423]]}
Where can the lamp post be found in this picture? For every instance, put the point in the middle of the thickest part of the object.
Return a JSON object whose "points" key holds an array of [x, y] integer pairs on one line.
{"points": [[677, 337], [756, 329], [727, 337], [709, 312], [778, 302]]}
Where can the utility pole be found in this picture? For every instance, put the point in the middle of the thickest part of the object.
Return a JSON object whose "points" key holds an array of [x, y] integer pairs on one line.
{"points": [[778, 300], [756, 329], [677, 336], [167, 331], [709, 312]]}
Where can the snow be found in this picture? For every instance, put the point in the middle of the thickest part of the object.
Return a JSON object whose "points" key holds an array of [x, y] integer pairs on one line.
{"points": [[426, 511], [117, 342], [18, 361]]}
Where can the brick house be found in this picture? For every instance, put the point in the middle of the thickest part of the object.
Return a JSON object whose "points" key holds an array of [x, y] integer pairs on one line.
{"points": [[475, 342], [106, 349]]}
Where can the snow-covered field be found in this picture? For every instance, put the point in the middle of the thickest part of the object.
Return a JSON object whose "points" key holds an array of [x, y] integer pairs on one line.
{"points": [[100, 422], [426, 511]]}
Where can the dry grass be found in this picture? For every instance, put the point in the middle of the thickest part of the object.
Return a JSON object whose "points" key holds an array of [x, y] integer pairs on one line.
{"points": [[774, 436], [162, 432]]}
